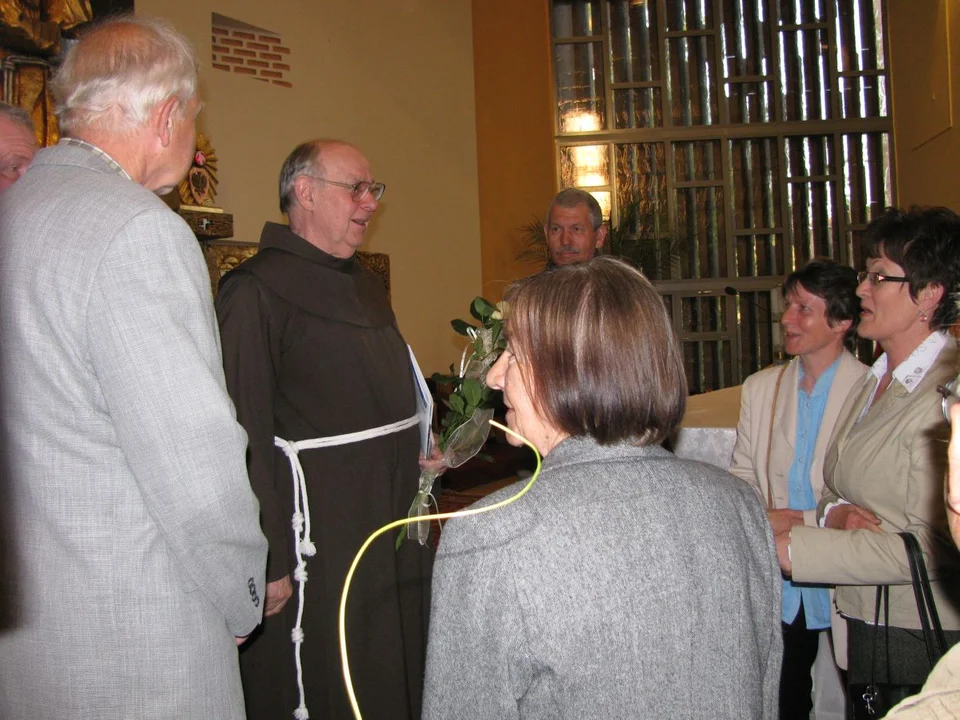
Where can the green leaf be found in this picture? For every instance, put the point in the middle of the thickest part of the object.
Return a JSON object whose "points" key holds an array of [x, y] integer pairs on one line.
{"points": [[457, 404], [460, 327], [472, 391], [482, 307]]}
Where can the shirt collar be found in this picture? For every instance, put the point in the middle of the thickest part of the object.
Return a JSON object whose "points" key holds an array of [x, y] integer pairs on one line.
{"points": [[911, 371], [114, 165], [824, 381]]}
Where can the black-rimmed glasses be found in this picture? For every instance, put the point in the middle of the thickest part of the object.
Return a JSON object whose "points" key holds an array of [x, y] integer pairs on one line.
{"points": [[358, 191], [876, 278]]}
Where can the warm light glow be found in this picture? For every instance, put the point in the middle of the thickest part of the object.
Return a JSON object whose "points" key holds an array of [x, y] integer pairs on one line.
{"points": [[590, 179], [589, 160], [603, 197], [581, 121]]}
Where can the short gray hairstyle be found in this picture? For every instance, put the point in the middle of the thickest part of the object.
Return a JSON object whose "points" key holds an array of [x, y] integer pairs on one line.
{"points": [[118, 72], [571, 197], [304, 160], [17, 115]]}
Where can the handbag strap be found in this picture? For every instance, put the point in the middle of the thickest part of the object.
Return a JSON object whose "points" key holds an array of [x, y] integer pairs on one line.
{"points": [[926, 607], [773, 416]]}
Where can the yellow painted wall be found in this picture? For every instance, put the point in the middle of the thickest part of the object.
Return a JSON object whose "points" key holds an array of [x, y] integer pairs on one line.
{"points": [[396, 79], [925, 72], [511, 41]]}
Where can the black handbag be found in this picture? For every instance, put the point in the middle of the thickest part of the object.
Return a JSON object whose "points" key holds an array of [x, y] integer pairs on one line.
{"points": [[875, 699]]}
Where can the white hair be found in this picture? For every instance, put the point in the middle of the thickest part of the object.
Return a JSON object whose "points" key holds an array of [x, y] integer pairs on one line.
{"points": [[120, 70]]}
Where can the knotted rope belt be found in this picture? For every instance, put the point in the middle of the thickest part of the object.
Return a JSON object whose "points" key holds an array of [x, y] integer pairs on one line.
{"points": [[301, 520]]}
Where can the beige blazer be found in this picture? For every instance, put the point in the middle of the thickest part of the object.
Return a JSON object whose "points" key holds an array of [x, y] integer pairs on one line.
{"points": [[753, 430], [892, 462]]}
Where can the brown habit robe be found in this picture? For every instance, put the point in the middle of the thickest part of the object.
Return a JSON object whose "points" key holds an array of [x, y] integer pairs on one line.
{"points": [[311, 349]]}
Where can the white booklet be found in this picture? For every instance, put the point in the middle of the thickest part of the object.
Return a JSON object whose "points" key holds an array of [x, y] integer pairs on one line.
{"points": [[424, 406]]}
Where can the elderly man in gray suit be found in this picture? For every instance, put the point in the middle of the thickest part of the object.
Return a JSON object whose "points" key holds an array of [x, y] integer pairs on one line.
{"points": [[139, 561]]}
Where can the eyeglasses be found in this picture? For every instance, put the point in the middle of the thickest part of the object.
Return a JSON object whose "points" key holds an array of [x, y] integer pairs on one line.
{"points": [[876, 278], [358, 191]]}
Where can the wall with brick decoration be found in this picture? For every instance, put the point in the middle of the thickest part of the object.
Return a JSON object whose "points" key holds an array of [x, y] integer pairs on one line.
{"points": [[250, 51], [396, 79]]}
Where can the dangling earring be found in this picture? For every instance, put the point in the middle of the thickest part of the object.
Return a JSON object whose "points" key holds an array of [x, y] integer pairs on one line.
{"points": [[923, 316]]}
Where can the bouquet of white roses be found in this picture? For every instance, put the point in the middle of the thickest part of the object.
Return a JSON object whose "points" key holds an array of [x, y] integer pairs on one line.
{"points": [[466, 424]]}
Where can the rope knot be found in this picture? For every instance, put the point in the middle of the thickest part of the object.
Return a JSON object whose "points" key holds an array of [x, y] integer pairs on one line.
{"points": [[308, 548], [297, 635], [301, 713], [300, 573], [297, 521]]}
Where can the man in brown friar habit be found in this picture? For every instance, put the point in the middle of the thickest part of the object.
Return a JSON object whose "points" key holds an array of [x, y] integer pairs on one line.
{"points": [[312, 352]]}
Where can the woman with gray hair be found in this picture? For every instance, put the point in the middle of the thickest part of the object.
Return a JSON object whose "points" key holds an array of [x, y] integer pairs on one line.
{"points": [[627, 582]]}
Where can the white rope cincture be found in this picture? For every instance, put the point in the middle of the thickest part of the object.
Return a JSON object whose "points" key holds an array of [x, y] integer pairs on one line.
{"points": [[301, 523]]}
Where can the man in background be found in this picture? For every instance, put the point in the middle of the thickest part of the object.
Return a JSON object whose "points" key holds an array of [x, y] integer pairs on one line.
{"points": [[139, 559], [18, 144], [312, 351], [574, 229]]}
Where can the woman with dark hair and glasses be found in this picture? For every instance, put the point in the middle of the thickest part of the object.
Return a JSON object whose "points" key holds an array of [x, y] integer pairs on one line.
{"points": [[884, 469], [627, 582]]}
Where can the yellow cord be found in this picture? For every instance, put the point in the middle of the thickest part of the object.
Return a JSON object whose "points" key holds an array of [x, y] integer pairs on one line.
{"points": [[344, 661]]}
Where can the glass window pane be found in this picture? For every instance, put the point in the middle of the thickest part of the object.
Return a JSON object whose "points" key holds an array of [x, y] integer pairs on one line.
{"points": [[757, 331], [793, 12], [638, 108], [633, 41], [760, 255], [689, 15], [701, 233], [859, 35], [755, 170], [804, 79], [576, 18], [813, 222], [866, 190], [808, 156], [580, 88], [863, 97], [697, 160], [744, 38], [709, 365], [748, 102], [585, 166], [642, 177], [692, 80], [702, 314]]}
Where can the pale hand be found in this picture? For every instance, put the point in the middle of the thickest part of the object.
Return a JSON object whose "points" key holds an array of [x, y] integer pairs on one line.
{"points": [[783, 552], [782, 520], [278, 592], [852, 517], [435, 462]]}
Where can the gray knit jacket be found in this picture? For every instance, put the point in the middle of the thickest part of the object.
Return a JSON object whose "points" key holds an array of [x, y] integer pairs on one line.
{"points": [[626, 584]]}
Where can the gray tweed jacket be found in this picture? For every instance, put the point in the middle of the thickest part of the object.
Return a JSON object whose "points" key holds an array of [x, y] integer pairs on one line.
{"points": [[626, 584], [137, 552]]}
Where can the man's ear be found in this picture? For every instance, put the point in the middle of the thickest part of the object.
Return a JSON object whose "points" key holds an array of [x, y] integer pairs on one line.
{"points": [[162, 118], [601, 235], [304, 190]]}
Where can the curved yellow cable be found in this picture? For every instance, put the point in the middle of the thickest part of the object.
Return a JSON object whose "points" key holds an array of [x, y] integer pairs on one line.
{"points": [[344, 661]]}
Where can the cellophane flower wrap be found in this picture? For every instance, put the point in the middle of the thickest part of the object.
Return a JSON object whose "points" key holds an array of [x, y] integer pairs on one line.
{"points": [[466, 423]]}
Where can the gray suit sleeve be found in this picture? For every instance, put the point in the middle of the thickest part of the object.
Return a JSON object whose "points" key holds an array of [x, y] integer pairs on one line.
{"points": [[155, 350]]}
